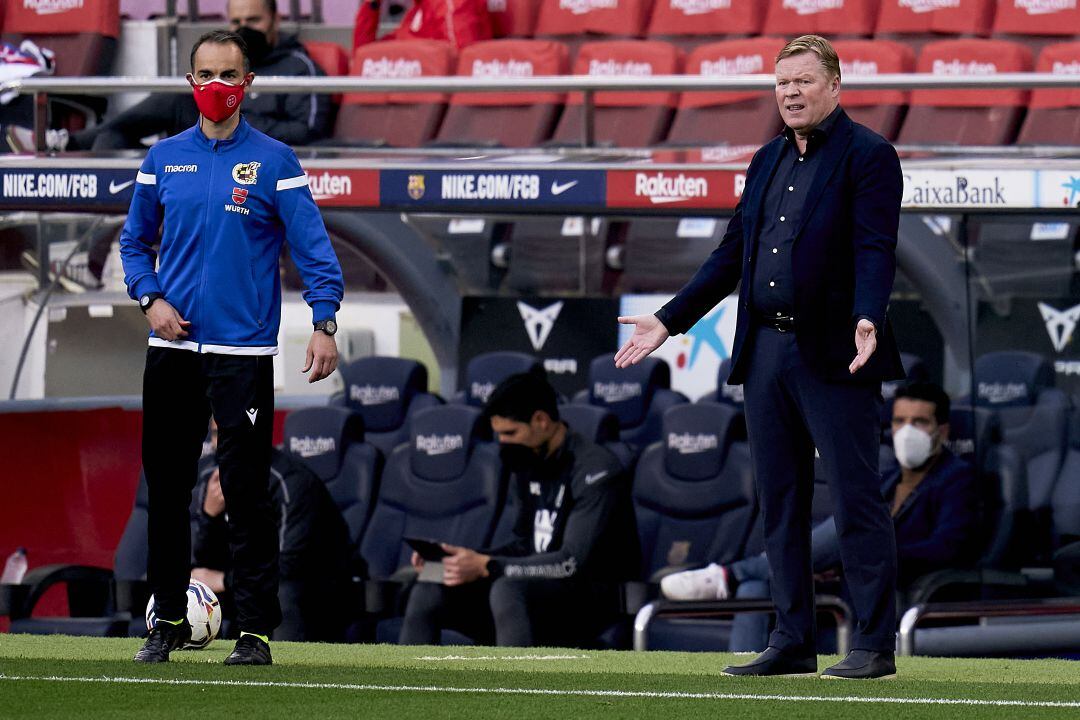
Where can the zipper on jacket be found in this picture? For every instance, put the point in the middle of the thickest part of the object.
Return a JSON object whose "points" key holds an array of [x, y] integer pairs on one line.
{"points": [[201, 290]]}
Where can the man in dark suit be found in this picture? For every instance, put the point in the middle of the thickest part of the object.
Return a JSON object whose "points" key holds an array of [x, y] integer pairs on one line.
{"points": [[813, 241], [934, 501]]}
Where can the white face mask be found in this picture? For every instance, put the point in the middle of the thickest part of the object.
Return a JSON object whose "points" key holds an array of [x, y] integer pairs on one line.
{"points": [[912, 446]]}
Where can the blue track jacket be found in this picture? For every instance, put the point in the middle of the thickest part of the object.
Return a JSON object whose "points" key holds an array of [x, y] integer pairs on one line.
{"points": [[227, 206]]}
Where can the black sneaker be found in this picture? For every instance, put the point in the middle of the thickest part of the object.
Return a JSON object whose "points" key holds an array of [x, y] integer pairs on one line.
{"points": [[164, 638], [250, 650], [775, 663], [863, 665]]}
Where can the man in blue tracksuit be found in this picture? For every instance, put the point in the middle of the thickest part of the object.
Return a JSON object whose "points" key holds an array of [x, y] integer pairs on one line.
{"points": [[226, 197]]}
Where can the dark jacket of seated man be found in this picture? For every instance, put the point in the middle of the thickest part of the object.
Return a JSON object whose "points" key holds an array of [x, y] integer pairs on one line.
{"points": [[555, 580], [313, 550]]}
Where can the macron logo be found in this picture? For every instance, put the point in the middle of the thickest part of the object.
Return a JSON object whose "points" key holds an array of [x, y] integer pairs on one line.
{"points": [[1060, 324], [539, 323], [439, 444], [308, 446]]}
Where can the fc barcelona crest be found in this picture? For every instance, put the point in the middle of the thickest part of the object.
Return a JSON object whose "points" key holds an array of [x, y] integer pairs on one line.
{"points": [[416, 186], [246, 173]]}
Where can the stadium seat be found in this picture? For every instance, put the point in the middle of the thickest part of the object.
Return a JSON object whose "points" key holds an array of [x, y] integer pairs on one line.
{"points": [[724, 394], [660, 254], [329, 56], [546, 254], [329, 441], [599, 425], [386, 392], [626, 119], [1065, 499], [731, 118], [879, 110], [694, 491], [484, 373], [513, 18], [1037, 23], [967, 117], [1053, 116], [444, 485], [638, 395], [583, 20], [396, 119], [915, 24], [1017, 255], [691, 24], [516, 119], [835, 20]]}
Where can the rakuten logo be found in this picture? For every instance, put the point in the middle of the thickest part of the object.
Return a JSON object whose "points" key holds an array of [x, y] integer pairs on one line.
{"points": [[308, 446], [614, 392], [925, 6], [1045, 7], [661, 188], [580, 7], [386, 69], [738, 65], [960, 67], [439, 444], [327, 186], [691, 444], [811, 7], [859, 67], [482, 391], [52, 7], [500, 68], [614, 67], [374, 394], [699, 7], [997, 393], [1062, 68]]}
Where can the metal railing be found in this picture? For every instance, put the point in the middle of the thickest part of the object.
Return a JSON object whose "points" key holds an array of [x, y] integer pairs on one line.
{"points": [[588, 85], [724, 608]]}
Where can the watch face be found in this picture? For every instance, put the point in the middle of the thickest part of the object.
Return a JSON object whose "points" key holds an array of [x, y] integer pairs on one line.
{"points": [[331, 327], [144, 301]]}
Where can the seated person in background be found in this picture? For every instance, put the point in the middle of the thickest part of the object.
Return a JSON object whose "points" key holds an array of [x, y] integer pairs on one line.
{"points": [[459, 22], [574, 540], [294, 119], [934, 500], [313, 559]]}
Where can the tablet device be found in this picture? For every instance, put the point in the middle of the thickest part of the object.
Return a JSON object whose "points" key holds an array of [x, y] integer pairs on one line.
{"points": [[427, 549]]}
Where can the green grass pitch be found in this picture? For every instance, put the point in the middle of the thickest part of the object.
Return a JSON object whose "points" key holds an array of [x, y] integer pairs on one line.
{"points": [[65, 677]]}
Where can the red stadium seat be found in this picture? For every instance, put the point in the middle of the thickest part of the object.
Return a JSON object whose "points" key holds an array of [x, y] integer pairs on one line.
{"points": [[576, 21], [513, 119], [733, 118], [83, 37], [917, 22], [512, 18], [879, 110], [398, 119], [626, 119], [329, 56], [690, 23], [1053, 117], [967, 117], [1054, 18], [832, 18]]}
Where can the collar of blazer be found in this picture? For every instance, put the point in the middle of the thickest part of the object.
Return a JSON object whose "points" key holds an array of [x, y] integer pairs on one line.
{"points": [[832, 152]]}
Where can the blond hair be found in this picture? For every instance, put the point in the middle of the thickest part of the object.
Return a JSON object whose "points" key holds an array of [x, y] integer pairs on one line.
{"points": [[818, 45]]}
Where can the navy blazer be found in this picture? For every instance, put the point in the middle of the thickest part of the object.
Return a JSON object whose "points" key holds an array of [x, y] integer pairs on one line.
{"points": [[843, 263], [937, 527]]}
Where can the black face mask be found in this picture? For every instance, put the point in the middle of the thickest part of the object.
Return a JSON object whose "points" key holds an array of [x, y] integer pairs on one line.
{"points": [[258, 46], [516, 458]]}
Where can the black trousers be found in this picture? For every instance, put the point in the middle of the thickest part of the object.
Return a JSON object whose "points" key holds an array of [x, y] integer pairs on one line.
{"points": [[512, 613], [181, 390], [790, 411]]}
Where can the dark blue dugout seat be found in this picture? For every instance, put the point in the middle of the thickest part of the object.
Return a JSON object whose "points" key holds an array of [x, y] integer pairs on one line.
{"points": [[386, 391], [443, 485], [694, 491], [1019, 388], [726, 394], [329, 441], [484, 373], [1065, 499], [638, 396], [599, 425]]}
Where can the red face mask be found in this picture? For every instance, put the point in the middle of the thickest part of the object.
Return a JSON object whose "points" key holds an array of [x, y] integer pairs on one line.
{"points": [[217, 100]]}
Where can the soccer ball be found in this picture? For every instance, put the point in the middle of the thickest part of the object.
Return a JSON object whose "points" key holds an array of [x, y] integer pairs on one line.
{"points": [[203, 614]]}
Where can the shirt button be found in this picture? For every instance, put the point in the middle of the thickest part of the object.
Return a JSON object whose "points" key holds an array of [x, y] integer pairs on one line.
{"points": [[772, 284], [775, 250], [790, 188], [779, 314], [782, 218], [801, 159]]}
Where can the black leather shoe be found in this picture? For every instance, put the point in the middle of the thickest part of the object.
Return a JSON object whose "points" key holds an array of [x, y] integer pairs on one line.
{"points": [[164, 638], [775, 663], [250, 650], [863, 665]]}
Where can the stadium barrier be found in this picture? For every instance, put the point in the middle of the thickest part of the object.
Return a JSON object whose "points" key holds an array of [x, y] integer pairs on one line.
{"points": [[1027, 632]]}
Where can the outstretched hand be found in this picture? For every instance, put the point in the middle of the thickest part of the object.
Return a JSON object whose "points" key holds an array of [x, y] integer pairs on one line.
{"points": [[865, 344], [649, 334]]}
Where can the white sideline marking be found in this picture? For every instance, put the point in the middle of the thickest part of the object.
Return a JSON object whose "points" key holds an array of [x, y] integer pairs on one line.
{"points": [[503, 657], [549, 691]]}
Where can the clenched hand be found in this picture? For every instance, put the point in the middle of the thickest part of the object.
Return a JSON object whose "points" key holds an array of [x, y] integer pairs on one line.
{"points": [[166, 322]]}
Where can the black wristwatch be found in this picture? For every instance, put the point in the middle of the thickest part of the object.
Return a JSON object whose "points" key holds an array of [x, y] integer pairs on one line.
{"points": [[147, 300], [327, 326]]}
